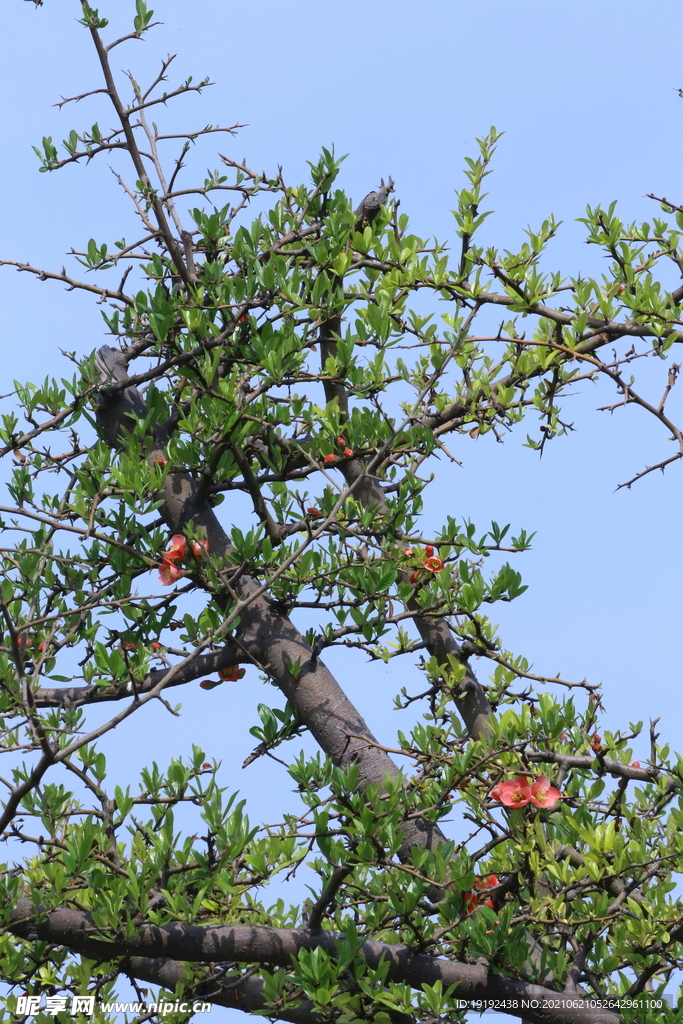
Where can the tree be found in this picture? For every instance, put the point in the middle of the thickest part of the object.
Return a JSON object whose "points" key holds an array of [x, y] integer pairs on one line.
{"points": [[315, 362]]}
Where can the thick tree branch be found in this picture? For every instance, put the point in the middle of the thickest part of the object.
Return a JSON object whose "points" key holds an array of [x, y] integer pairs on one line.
{"points": [[265, 634], [278, 946]]}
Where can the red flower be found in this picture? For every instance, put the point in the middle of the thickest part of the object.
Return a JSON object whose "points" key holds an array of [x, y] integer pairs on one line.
{"points": [[169, 573], [330, 460], [315, 513], [429, 551], [161, 461], [348, 452], [232, 674], [157, 646], [408, 552], [471, 902], [210, 684], [414, 577], [341, 442], [635, 764], [200, 548], [129, 645], [514, 792], [485, 882], [433, 564], [543, 794], [178, 548]]}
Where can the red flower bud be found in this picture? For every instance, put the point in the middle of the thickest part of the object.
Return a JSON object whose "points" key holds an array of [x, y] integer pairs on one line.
{"points": [[161, 461], [408, 552], [315, 513], [429, 551], [414, 577], [157, 646], [200, 548], [635, 764], [348, 452], [341, 442], [330, 460]]}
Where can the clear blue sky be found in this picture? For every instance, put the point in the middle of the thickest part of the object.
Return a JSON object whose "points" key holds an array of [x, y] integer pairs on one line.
{"points": [[587, 95]]}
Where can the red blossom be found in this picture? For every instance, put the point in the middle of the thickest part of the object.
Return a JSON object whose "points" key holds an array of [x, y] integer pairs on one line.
{"points": [[635, 764], [471, 898], [314, 512], [348, 452], [519, 792], [169, 573], [429, 551], [129, 645], [543, 794], [161, 461], [341, 442], [514, 792], [157, 646], [471, 902], [330, 459], [200, 548], [178, 548], [408, 552], [433, 564], [414, 577], [232, 674]]}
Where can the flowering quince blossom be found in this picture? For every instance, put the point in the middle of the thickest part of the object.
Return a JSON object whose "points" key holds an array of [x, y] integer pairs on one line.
{"points": [[315, 513], [635, 764], [414, 577], [471, 897], [408, 552], [330, 459], [231, 674], [341, 442], [514, 792], [178, 548], [433, 564], [348, 452], [169, 573], [543, 794], [519, 792], [429, 551]]}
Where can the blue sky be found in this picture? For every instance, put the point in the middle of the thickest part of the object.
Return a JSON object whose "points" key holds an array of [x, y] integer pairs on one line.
{"points": [[587, 96]]}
